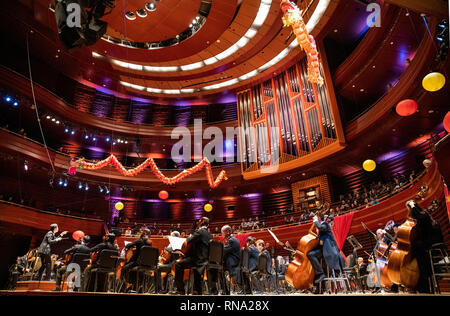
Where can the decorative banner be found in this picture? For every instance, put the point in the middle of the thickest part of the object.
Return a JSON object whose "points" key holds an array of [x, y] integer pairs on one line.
{"points": [[156, 171], [293, 17]]}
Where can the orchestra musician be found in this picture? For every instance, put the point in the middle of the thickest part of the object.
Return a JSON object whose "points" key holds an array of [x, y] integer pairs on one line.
{"points": [[262, 251], [231, 251], [429, 233], [143, 240], [253, 255], [327, 249], [196, 258], [166, 267], [16, 270], [361, 270], [79, 247], [45, 250]]}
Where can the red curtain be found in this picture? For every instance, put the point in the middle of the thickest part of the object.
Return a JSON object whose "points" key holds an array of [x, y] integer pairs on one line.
{"points": [[241, 237], [447, 200], [341, 228]]}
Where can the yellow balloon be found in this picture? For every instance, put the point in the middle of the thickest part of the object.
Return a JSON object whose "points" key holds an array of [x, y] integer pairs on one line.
{"points": [[208, 207], [433, 81], [369, 165], [119, 206]]}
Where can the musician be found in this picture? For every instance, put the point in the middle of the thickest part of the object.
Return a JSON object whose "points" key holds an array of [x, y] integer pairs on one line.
{"points": [[15, 271], [162, 285], [362, 273], [231, 251], [45, 250], [253, 255], [79, 247], [429, 233], [257, 283], [327, 249], [144, 240], [197, 257]]}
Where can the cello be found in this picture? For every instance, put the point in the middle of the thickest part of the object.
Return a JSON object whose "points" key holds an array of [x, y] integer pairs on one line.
{"points": [[300, 273], [127, 257], [403, 268]]}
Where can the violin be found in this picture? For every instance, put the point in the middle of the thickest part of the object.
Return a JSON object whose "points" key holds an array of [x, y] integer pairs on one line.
{"points": [[67, 258], [164, 258], [403, 268], [300, 273]]}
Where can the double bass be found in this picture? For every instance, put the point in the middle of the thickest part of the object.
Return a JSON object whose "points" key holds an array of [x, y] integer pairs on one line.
{"points": [[403, 268], [300, 272]]}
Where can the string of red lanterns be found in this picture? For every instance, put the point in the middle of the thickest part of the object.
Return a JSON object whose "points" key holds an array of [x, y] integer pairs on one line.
{"points": [[149, 162]]}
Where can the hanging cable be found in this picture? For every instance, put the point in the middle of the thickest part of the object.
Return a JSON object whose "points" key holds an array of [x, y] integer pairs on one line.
{"points": [[35, 105]]}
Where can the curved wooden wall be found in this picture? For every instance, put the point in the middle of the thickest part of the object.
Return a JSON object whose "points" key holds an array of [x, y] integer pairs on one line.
{"points": [[41, 220]]}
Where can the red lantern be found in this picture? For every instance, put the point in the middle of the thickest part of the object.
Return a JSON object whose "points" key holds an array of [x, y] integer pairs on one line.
{"points": [[78, 235], [163, 195], [406, 107], [447, 121]]}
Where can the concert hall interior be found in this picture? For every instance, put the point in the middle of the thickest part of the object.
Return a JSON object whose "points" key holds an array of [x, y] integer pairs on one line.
{"points": [[224, 147]]}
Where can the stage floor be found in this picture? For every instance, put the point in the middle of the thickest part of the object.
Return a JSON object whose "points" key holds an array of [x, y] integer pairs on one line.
{"points": [[52, 293]]}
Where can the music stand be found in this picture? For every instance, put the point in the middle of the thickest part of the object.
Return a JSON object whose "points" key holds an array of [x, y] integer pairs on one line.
{"points": [[354, 242]]}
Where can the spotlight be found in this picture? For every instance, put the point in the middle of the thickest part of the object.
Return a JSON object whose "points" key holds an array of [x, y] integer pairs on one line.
{"points": [[114, 143], [86, 187], [107, 139], [8, 99], [48, 117], [94, 139], [107, 190], [150, 6], [65, 183], [130, 16], [86, 136], [60, 182], [100, 189], [80, 186], [72, 132], [57, 122], [66, 130], [53, 119], [25, 165], [16, 103], [142, 13]]}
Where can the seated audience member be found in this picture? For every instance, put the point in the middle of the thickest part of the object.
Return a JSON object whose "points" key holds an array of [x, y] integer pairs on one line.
{"points": [[128, 231]]}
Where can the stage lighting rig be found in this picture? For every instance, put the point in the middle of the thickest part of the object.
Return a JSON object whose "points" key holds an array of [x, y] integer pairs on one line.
{"points": [[79, 23]]}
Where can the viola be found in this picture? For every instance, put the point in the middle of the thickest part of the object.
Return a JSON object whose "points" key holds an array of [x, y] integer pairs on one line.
{"points": [[92, 260], [67, 258], [403, 268], [300, 272], [164, 258]]}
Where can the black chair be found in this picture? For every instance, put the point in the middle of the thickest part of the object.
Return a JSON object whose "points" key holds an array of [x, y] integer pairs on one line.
{"points": [[147, 264], [106, 264], [261, 275], [82, 259], [215, 264], [244, 271]]}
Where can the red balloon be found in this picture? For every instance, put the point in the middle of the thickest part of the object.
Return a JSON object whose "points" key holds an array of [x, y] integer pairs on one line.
{"points": [[447, 121], [406, 107], [78, 235], [163, 195]]}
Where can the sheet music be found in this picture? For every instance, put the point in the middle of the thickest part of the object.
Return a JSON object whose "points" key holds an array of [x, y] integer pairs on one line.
{"points": [[126, 242], [176, 242], [274, 237]]}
